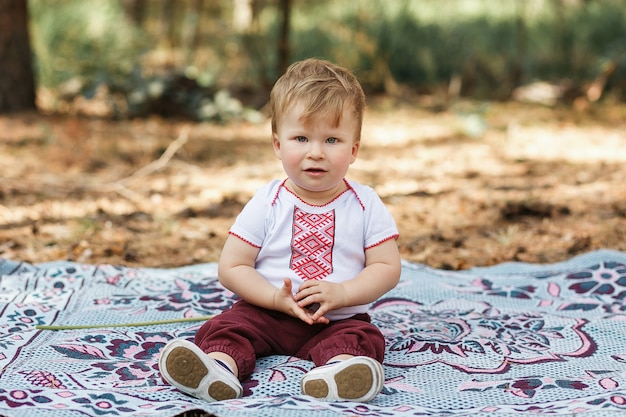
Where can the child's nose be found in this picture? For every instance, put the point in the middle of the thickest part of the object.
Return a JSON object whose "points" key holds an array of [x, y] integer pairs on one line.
{"points": [[316, 150]]}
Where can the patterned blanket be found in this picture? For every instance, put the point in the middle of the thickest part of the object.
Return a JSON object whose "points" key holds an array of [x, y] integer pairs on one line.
{"points": [[505, 340]]}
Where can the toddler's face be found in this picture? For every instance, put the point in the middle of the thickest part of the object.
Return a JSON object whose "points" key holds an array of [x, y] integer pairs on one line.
{"points": [[315, 156]]}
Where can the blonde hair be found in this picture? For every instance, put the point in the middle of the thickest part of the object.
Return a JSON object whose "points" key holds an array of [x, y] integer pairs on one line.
{"points": [[323, 88]]}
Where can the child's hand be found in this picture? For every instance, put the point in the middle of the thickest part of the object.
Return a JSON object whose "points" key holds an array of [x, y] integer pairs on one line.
{"points": [[284, 301], [328, 295]]}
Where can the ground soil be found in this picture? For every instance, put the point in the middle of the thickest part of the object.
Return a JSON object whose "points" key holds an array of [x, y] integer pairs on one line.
{"points": [[473, 185]]}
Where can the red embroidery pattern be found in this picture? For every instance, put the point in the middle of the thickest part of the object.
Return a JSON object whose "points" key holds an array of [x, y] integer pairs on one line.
{"points": [[312, 243]]}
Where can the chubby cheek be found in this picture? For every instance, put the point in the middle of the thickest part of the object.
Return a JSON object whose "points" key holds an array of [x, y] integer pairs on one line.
{"points": [[290, 159]]}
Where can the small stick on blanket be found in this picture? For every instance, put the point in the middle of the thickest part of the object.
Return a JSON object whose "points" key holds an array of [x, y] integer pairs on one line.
{"points": [[137, 324]]}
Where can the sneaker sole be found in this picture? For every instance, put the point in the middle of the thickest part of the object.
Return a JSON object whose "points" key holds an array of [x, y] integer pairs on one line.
{"points": [[354, 381], [183, 368], [357, 382]]}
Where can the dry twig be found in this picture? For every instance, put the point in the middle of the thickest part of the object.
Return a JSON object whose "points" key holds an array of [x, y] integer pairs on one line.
{"points": [[161, 162]]}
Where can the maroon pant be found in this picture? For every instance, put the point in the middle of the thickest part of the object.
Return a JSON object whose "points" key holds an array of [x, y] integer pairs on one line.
{"points": [[246, 332]]}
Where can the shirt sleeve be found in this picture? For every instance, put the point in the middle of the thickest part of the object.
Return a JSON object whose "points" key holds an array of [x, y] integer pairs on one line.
{"points": [[380, 225], [250, 224]]}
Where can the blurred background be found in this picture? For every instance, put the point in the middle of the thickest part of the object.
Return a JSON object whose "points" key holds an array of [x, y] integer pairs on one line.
{"points": [[173, 56], [134, 131]]}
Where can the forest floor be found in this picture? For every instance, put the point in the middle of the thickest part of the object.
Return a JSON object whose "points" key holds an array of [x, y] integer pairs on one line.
{"points": [[475, 185]]}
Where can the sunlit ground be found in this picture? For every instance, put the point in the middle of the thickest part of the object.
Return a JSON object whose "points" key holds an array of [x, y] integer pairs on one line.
{"points": [[474, 185]]}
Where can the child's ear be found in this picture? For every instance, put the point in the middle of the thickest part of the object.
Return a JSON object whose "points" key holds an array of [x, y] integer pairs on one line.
{"points": [[355, 150], [276, 144]]}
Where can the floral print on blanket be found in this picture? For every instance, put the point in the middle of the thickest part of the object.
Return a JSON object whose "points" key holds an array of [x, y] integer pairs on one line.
{"points": [[512, 339]]}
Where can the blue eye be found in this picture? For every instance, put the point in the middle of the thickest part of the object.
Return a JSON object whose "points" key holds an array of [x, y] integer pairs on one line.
{"points": [[300, 139], [332, 140]]}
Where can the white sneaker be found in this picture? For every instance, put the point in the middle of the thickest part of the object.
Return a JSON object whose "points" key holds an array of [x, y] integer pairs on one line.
{"points": [[186, 367], [356, 379]]}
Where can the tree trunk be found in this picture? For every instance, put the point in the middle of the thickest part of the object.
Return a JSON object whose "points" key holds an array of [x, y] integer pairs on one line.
{"points": [[283, 39], [516, 73], [17, 82], [136, 10]]}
